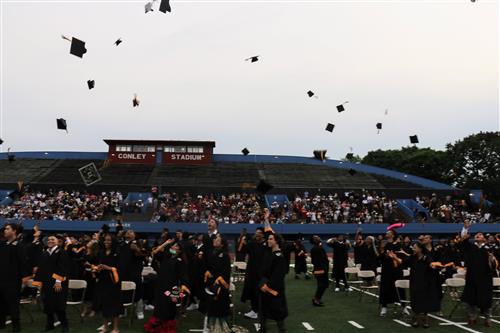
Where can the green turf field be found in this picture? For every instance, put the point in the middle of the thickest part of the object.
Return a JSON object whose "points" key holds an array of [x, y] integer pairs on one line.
{"points": [[341, 307]]}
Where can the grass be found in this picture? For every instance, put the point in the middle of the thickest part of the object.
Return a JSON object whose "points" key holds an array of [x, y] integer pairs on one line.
{"points": [[340, 307]]}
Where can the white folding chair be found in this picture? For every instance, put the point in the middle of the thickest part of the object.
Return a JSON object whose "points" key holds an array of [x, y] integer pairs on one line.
{"points": [[78, 288], [240, 268], [406, 272], [147, 270], [352, 275], [458, 276], [368, 282], [461, 271], [496, 294], [454, 286], [379, 270], [402, 285], [129, 288]]}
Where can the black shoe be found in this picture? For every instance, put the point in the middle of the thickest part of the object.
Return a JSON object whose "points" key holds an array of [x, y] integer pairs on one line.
{"points": [[317, 303], [48, 328], [297, 277]]}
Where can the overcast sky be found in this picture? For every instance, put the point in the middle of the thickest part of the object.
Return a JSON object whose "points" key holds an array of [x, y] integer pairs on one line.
{"points": [[432, 64]]}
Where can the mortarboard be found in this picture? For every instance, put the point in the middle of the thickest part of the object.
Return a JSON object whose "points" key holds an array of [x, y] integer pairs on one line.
{"points": [[352, 172], [414, 139], [165, 6], [135, 101], [264, 187], [379, 127], [148, 7], [1, 141], [329, 127], [118, 41], [340, 107], [310, 93], [349, 156], [320, 155], [91, 84], [61, 124], [253, 59], [245, 151], [77, 47]]}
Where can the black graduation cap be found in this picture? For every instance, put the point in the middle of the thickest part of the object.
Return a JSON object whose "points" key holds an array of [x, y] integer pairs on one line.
{"points": [[61, 124], [349, 156], [118, 41], [379, 127], [352, 172], [135, 101], [264, 187], [414, 139], [320, 155], [329, 127], [148, 7], [340, 107], [91, 84], [245, 151], [1, 141], [77, 47], [253, 59], [165, 6], [310, 93]]}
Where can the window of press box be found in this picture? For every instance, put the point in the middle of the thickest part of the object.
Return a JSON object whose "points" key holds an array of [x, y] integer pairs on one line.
{"points": [[123, 148], [195, 149], [144, 149], [174, 149]]}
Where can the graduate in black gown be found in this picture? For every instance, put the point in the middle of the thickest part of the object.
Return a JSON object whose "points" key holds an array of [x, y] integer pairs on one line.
{"points": [[320, 263], [15, 270], [241, 246], [300, 258], [340, 248], [273, 304], [391, 271], [170, 288], [218, 277], [424, 288], [51, 277], [108, 285], [256, 250], [480, 263]]}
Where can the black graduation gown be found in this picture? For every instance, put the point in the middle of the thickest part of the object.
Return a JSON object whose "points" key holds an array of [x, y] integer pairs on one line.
{"points": [[172, 273], [390, 273], [53, 267], [219, 266], [197, 271], [319, 259], [241, 248], [90, 276], [108, 287], [340, 251], [425, 289], [130, 267], [366, 256], [478, 289], [300, 258], [76, 254], [273, 303], [256, 254]]}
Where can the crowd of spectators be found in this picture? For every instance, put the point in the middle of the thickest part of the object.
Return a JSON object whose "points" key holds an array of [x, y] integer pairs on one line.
{"points": [[63, 205], [450, 209]]}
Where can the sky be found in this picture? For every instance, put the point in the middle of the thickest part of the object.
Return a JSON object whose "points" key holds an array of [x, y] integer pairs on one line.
{"points": [[434, 65]]}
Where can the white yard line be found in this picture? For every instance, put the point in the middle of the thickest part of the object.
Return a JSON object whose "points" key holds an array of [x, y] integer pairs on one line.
{"points": [[493, 320], [355, 324], [8, 322], [451, 323], [447, 324], [196, 330], [401, 322], [308, 326]]}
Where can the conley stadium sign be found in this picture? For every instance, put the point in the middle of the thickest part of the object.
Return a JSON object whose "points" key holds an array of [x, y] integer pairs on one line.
{"points": [[186, 157], [129, 156]]}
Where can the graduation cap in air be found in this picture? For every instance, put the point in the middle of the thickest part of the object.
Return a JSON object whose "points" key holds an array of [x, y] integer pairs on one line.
{"points": [[135, 101], [349, 156], [245, 151], [253, 59], [148, 7], [329, 127], [264, 187], [320, 155], [352, 172], [77, 47], [1, 141], [340, 107], [118, 41], [414, 139], [311, 94], [165, 6], [379, 127], [91, 84], [61, 124]]}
